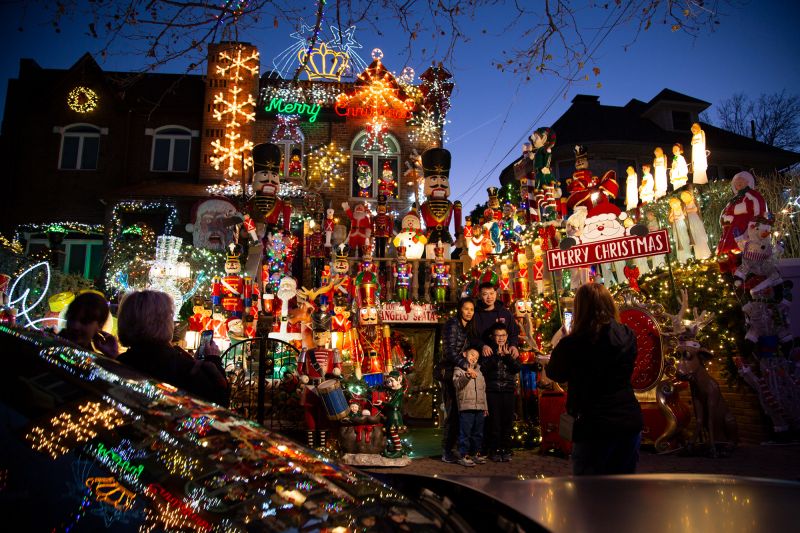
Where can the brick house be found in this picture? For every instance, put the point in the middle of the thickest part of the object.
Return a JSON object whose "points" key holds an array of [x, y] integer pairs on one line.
{"points": [[620, 136]]}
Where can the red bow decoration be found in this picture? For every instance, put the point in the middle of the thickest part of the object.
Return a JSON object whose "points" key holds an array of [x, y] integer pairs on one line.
{"points": [[584, 185], [632, 273]]}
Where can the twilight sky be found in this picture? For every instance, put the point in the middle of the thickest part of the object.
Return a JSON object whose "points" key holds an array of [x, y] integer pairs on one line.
{"points": [[754, 50]]}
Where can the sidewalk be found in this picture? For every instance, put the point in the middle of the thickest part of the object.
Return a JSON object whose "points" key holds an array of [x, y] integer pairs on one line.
{"points": [[776, 462]]}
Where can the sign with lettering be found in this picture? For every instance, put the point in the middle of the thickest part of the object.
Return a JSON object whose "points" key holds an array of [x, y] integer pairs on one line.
{"points": [[381, 111], [593, 253], [394, 312], [277, 105]]}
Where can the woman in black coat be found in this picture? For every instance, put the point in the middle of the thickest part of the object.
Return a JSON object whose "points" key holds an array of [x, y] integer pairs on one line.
{"points": [[596, 360], [458, 335], [145, 325]]}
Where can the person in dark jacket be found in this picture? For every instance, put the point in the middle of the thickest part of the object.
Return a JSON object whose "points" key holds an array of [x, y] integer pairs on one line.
{"points": [[490, 312], [458, 336], [596, 360], [85, 318], [145, 325], [500, 371]]}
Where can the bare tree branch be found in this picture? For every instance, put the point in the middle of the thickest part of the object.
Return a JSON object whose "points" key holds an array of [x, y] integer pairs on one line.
{"points": [[774, 117]]}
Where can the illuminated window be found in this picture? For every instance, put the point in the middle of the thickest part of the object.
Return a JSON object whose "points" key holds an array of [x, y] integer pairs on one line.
{"points": [[80, 147], [367, 166], [172, 146], [292, 159]]}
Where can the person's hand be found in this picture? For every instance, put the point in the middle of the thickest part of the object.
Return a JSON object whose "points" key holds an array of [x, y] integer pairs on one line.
{"points": [[514, 352], [487, 351], [106, 344], [472, 374], [211, 350]]}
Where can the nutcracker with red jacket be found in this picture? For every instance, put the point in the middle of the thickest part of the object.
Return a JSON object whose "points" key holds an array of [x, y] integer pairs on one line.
{"points": [[746, 204], [316, 252], [387, 186], [538, 265], [360, 225], [340, 323], [402, 271], [440, 275], [383, 227], [265, 207], [233, 293], [521, 283], [438, 210], [342, 282], [504, 285], [368, 341], [315, 366], [543, 189]]}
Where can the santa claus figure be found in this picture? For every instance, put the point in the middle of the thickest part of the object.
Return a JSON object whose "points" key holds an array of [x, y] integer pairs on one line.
{"points": [[411, 237], [360, 225], [383, 225], [387, 186], [212, 224], [438, 210], [265, 207], [746, 204], [287, 292], [314, 366]]}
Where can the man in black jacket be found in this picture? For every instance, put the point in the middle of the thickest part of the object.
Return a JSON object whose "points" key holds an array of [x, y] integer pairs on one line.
{"points": [[490, 313]]}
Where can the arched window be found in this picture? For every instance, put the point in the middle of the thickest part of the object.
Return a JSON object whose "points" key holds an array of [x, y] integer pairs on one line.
{"points": [[368, 165], [172, 146], [80, 146], [292, 145]]}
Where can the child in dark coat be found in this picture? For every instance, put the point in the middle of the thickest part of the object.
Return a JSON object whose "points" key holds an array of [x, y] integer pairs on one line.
{"points": [[500, 371]]}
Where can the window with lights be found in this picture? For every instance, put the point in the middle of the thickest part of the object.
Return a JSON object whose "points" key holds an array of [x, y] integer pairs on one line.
{"points": [[172, 148], [80, 147], [374, 169]]}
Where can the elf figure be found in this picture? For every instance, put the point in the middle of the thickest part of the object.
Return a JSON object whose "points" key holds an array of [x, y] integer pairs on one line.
{"points": [[315, 366], [647, 188], [360, 225], [679, 172], [660, 169], [746, 204], [266, 207], [387, 186], [402, 277], [440, 275], [438, 210], [316, 251], [543, 140], [383, 225], [364, 178], [391, 410], [328, 226], [359, 410]]}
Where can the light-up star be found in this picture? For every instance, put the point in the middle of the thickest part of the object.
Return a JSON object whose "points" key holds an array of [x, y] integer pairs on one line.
{"points": [[283, 60], [345, 41]]}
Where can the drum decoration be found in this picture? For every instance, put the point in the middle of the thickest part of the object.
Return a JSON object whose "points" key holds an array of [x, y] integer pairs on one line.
{"points": [[332, 396]]}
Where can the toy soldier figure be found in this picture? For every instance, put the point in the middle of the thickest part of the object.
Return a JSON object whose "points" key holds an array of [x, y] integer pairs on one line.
{"points": [[233, 292], [314, 366], [316, 251], [440, 275], [266, 207], [402, 277], [383, 225], [438, 210]]}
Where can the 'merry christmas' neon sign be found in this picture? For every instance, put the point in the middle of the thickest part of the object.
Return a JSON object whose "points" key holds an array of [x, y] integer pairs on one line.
{"points": [[277, 105]]}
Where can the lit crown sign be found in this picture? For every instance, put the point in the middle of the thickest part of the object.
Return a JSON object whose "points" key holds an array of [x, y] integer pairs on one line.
{"points": [[593, 253], [277, 105], [324, 63]]}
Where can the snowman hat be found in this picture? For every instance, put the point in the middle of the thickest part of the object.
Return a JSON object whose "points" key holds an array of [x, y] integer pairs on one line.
{"points": [[603, 211]]}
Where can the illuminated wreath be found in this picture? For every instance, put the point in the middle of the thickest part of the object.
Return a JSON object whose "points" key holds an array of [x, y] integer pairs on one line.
{"points": [[82, 100]]}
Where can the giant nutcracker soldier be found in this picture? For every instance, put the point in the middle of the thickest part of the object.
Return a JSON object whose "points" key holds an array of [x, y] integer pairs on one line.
{"points": [[265, 207], [316, 252], [438, 210], [314, 366], [368, 345]]}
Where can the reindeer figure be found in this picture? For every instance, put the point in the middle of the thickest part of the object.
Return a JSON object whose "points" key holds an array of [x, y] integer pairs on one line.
{"points": [[714, 419]]}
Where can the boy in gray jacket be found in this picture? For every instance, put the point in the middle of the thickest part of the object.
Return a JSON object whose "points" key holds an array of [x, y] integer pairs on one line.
{"points": [[471, 391]]}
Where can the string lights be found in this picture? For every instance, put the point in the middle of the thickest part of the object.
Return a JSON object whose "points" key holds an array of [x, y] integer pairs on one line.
{"points": [[66, 430], [82, 100]]}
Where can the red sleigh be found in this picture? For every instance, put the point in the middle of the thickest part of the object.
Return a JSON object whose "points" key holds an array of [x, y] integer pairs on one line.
{"points": [[665, 415]]}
